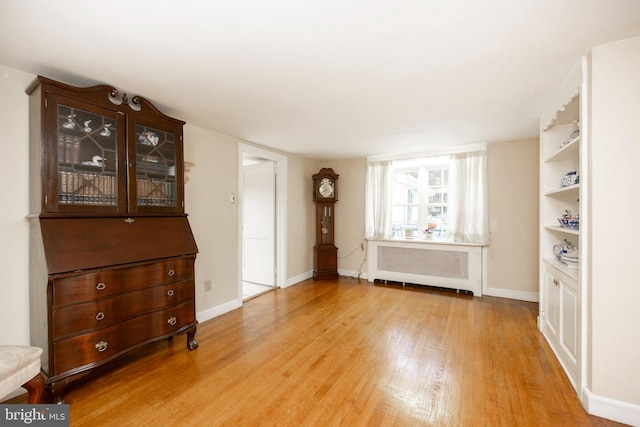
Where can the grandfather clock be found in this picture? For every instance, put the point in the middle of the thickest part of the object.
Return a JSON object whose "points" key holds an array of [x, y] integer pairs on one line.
{"points": [[325, 253]]}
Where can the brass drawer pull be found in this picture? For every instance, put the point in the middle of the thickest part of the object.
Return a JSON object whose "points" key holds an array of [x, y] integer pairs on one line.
{"points": [[129, 220], [170, 292], [101, 286], [171, 272], [555, 282], [172, 320], [101, 346], [100, 315]]}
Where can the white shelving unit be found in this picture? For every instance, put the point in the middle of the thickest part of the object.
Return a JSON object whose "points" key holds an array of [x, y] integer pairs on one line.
{"points": [[560, 284], [589, 315]]}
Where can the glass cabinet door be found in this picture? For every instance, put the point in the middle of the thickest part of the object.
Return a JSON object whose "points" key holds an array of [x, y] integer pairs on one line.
{"points": [[157, 168], [101, 153], [85, 160], [326, 224]]}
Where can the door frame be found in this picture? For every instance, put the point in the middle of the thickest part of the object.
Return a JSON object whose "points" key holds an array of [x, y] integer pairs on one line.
{"points": [[281, 211]]}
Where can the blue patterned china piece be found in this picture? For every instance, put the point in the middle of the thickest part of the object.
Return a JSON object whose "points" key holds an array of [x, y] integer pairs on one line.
{"points": [[567, 254], [573, 223], [570, 178], [86, 127], [568, 221]]}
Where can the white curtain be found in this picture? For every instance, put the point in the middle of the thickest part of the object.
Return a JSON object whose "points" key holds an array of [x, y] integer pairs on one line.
{"points": [[468, 217], [378, 200]]}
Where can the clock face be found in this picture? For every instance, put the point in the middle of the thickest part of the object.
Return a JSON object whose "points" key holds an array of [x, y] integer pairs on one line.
{"points": [[326, 188]]}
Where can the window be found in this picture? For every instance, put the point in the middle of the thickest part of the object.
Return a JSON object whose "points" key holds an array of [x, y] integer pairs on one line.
{"points": [[420, 194], [444, 194]]}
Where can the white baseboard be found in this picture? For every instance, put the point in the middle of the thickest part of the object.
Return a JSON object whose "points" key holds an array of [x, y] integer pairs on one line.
{"points": [[352, 273], [511, 294], [309, 274], [615, 410], [203, 316], [299, 278]]}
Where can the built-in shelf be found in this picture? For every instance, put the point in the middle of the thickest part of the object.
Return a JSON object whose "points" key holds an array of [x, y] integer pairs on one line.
{"points": [[574, 231], [564, 190], [569, 151], [561, 152]]}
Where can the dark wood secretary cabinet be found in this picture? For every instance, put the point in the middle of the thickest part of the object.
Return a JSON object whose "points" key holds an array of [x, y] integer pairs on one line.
{"points": [[112, 252]]}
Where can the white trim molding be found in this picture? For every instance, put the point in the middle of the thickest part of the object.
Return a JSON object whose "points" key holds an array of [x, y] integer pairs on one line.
{"points": [[512, 294], [203, 316], [611, 409], [297, 279]]}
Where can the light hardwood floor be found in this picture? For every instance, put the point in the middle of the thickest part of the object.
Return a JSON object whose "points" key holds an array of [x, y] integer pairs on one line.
{"points": [[344, 353]]}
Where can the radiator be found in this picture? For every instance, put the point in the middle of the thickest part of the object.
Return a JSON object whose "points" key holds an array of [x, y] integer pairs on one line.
{"points": [[433, 264]]}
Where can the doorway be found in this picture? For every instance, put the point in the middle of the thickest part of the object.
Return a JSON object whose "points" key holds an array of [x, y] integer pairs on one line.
{"points": [[258, 226], [261, 218]]}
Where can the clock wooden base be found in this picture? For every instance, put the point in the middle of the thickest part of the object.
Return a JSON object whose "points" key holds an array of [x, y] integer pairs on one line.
{"points": [[325, 262]]}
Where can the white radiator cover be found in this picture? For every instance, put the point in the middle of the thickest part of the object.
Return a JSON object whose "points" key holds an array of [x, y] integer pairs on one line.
{"points": [[452, 266]]}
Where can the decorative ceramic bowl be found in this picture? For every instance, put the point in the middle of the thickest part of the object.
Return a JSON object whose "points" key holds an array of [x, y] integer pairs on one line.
{"points": [[570, 178], [565, 251], [569, 222]]}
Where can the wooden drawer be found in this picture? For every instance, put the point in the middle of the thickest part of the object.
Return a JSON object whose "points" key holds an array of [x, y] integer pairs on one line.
{"points": [[91, 348], [103, 283], [102, 313]]}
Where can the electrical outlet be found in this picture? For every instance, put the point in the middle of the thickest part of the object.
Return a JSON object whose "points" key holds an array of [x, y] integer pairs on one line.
{"points": [[207, 285]]}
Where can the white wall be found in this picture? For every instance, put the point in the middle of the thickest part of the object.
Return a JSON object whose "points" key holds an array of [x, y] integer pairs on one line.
{"points": [[350, 215], [512, 264], [300, 218], [14, 188], [615, 230], [213, 218]]}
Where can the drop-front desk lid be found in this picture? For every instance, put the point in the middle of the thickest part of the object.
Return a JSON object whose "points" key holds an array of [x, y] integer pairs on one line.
{"points": [[72, 243]]}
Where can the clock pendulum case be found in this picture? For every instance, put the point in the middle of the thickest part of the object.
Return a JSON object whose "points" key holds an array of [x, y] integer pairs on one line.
{"points": [[325, 253]]}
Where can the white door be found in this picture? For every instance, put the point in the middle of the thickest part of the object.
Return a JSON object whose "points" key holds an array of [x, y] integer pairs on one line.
{"points": [[258, 220]]}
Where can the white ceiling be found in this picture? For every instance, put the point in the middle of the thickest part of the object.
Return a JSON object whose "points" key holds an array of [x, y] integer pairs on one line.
{"points": [[323, 79]]}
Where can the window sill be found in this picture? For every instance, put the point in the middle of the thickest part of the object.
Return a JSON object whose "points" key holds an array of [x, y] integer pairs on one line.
{"points": [[422, 241]]}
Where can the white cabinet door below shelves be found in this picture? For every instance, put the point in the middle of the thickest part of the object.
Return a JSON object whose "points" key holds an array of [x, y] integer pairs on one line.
{"points": [[551, 306], [568, 337], [561, 315]]}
